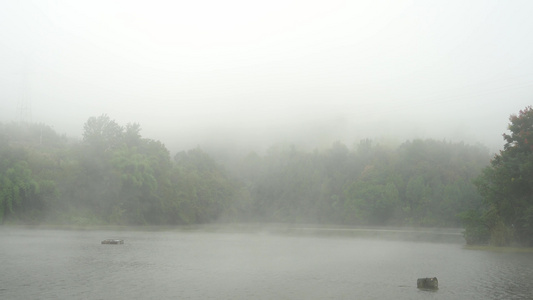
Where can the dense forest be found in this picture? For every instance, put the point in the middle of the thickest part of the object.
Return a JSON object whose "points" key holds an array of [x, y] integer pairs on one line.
{"points": [[116, 176]]}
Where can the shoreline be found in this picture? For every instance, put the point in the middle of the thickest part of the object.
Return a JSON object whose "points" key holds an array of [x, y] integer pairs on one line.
{"points": [[419, 234], [499, 249]]}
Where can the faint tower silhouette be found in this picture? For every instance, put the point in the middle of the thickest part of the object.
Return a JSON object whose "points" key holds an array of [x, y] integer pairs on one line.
{"points": [[24, 105]]}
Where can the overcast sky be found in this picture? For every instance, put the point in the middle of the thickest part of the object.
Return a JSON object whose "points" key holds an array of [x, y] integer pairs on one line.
{"points": [[255, 73]]}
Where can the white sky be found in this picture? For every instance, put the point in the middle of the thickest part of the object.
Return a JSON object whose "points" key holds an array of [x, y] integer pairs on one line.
{"points": [[255, 73]]}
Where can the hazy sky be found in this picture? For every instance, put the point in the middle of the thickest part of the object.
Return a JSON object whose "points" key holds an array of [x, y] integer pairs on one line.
{"points": [[262, 72]]}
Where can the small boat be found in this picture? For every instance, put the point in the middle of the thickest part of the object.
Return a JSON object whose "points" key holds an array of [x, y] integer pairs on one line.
{"points": [[113, 241]]}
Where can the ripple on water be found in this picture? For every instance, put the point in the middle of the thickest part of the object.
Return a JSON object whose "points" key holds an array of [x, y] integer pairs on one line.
{"points": [[47, 264]]}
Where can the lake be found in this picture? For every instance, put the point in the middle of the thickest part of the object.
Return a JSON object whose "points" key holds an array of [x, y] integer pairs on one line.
{"points": [[252, 264]]}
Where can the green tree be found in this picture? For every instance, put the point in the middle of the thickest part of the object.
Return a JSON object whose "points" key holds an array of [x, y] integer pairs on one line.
{"points": [[507, 184], [203, 190], [19, 192], [104, 134], [138, 186]]}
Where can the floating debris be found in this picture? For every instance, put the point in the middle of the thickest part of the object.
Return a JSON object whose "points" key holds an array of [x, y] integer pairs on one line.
{"points": [[427, 283], [113, 241]]}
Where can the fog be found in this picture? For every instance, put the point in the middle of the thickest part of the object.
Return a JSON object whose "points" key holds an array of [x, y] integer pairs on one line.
{"points": [[246, 74]]}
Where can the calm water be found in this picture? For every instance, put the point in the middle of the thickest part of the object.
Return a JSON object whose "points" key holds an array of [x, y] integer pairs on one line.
{"points": [[54, 264]]}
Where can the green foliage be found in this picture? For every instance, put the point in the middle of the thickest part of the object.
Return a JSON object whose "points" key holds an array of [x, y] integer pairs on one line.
{"points": [[204, 191], [507, 184], [102, 134], [372, 203], [421, 183], [116, 176], [20, 190], [476, 230]]}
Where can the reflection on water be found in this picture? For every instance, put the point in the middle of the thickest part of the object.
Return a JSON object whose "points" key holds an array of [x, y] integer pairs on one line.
{"points": [[50, 264]]}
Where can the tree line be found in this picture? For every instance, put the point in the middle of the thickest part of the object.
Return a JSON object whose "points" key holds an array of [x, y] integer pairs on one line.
{"points": [[419, 183], [113, 176], [116, 176]]}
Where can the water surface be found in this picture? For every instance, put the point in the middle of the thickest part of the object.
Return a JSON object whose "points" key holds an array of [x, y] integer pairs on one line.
{"points": [[57, 264]]}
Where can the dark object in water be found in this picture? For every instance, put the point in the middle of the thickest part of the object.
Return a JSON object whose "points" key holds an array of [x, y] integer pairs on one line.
{"points": [[113, 241], [427, 283]]}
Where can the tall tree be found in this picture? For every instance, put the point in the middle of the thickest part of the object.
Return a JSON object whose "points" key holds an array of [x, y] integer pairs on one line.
{"points": [[507, 184], [104, 134]]}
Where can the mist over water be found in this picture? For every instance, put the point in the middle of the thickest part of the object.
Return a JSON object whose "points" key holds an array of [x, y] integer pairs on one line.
{"points": [[52, 264], [279, 93]]}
